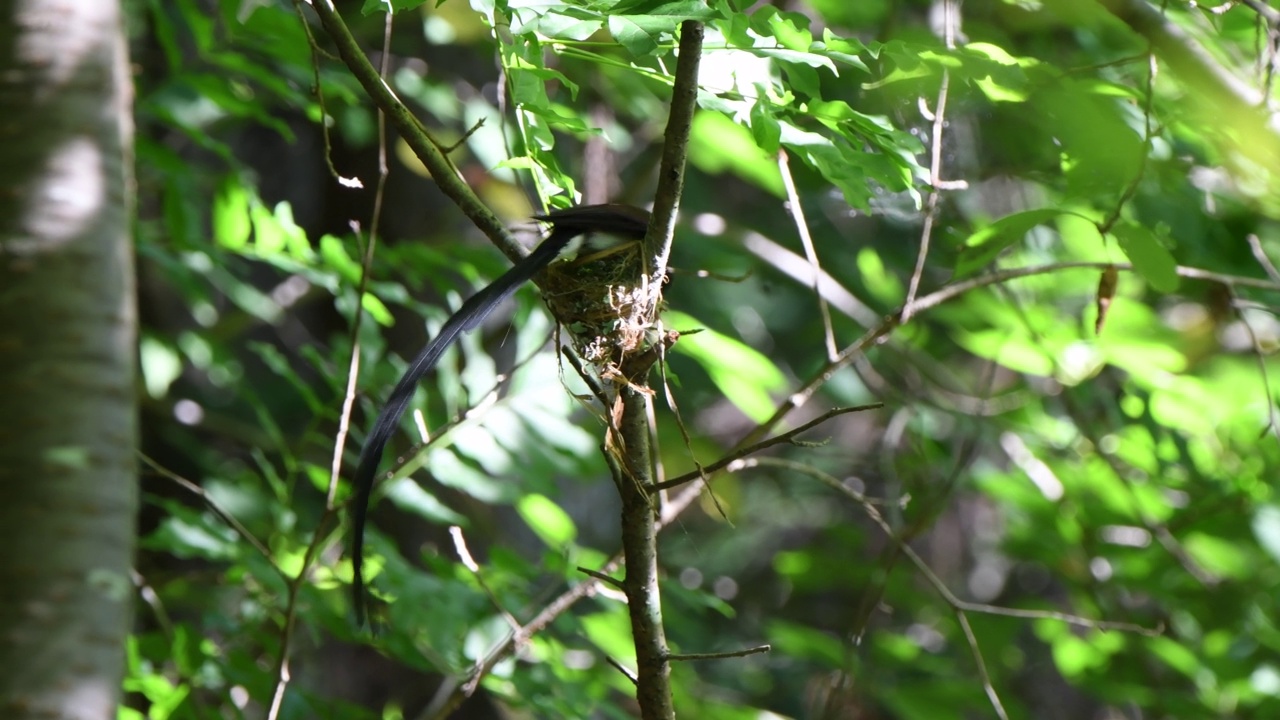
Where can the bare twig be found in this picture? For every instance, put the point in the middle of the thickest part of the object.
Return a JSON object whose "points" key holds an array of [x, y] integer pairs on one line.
{"points": [[606, 579], [214, 507], [316, 54], [739, 453], [1268, 13], [1255, 246], [802, 228], [685, 657], [353, 373], [626, 673], [950, 19], [992, 696]]}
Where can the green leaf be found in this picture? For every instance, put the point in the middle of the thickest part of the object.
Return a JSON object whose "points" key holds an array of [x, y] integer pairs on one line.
{"points": [[795, 640], [231, 223], [877, 280], [791, 30], [678, 9], [548, 520], [764, 126], [1151, 259], [1074, 655], [411, 497], [717, 144], [381, 6], [268, 235], [803, 79], [1221, 556], [983, 246], [1175, 655], [834, 113], [564, 27], [638, 34], [812, 60], [743, 374], [380, 313], [643, 25], [1101, 152], [848, 169], [333, 254], [1018, 353]]}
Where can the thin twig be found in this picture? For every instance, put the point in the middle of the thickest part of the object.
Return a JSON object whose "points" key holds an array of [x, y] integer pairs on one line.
{"points": [[686, 657], [460, 547], [1131, 188], [348, 402], [626, 673], [811, 254], [1255, 245], [214, 507], [992, 696], [606, 579], [660, 483], [742, 452], [938, 585], [316, 54], [950, 19], [931, 205]]}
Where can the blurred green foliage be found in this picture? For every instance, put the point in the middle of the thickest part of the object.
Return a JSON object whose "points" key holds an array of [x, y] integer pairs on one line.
{"points": [[1124, 476]]}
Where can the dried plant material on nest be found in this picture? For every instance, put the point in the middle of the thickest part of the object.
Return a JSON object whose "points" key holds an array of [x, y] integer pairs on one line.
{"points": [[605, 303]]}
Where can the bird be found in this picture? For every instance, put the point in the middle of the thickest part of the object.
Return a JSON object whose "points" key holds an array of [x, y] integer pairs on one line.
{"points": [[576, 232]]}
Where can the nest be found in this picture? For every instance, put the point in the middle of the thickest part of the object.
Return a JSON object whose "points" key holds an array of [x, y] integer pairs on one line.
{"points": [[605, 302]]}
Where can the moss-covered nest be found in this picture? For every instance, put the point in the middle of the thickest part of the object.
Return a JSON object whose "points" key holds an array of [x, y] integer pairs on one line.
{"points": [[605, 303]]}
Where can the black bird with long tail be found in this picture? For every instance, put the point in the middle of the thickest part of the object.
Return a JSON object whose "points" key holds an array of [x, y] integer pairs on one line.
{"points": [[575, 232]]}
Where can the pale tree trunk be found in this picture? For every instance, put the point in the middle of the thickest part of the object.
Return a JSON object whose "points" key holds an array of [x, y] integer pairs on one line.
{"points": [[67, 335]]}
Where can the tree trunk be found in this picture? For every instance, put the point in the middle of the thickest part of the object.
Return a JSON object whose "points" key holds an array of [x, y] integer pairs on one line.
{"points": [[67, 337]]}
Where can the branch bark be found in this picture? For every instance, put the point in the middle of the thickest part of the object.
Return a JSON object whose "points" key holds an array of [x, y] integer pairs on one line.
{"points": [[634, 476]]}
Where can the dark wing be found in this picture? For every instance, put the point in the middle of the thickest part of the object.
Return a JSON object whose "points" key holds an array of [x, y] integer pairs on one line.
{"points": [[625, 221], [471, 314]]}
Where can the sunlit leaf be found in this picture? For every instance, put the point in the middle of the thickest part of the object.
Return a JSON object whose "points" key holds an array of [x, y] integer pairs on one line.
{"points": [[745, 376], [986, 244], [547, 520], [231, 223], [1151, 259]]}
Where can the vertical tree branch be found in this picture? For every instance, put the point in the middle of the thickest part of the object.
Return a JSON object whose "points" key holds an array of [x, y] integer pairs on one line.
{"points": [[639, 503], [640, 553], [675, 149]]}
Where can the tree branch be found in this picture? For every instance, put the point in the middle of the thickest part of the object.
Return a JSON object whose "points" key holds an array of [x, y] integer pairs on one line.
{"points": [[428, 151]]}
